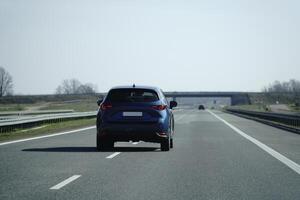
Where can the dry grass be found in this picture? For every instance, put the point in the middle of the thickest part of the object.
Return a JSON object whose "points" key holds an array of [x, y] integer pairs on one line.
{"points": [[46, 129]]}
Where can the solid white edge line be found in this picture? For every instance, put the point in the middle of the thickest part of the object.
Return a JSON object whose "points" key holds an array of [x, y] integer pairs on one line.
{"points": [[291, 164], [47, 136], [113, 155], [65, 182]]}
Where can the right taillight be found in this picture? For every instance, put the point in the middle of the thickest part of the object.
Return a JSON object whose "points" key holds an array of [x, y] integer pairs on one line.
{"points": [[105, 106], [159, 107]]}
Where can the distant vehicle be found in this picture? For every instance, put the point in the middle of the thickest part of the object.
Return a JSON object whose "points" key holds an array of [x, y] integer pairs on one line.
{"points": [[201, 107], [135, 114]]}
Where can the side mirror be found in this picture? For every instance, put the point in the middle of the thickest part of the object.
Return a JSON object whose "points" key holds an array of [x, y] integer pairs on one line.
{"points": [[173, 104], [99, 101]]}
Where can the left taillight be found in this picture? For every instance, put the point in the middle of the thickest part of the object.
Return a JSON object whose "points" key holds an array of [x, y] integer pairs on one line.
{"points": [[159, 107], [105, 106]]}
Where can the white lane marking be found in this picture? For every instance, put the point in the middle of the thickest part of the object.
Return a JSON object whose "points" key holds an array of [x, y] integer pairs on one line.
{"points": [[179, 118], [47, 136], [184, 115], [134, 143], [65, 182], [291, 164], [113, 155]]}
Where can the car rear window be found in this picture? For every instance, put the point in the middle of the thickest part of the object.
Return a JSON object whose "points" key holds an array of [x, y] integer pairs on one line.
{"points": [[132, 95]]}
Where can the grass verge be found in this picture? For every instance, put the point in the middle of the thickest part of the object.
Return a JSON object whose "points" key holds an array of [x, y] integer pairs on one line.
{"points": [[252, 107], [294, 107], [77, 106], [47, 129], [11, 107]]}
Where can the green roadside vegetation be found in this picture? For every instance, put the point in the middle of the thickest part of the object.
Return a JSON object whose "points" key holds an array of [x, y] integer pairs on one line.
{"points": [[291, 108], [294, 107], [11, 107], [47, 129], [78, 103], [252, 107], [77, 106]]}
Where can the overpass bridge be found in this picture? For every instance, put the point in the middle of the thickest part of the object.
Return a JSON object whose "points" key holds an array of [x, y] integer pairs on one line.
{"points": [[237, 98]]}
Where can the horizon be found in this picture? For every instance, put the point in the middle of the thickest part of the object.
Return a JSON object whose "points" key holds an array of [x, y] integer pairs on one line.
{"points": [[97, 93]]}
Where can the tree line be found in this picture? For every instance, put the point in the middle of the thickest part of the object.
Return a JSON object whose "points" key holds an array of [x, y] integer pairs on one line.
{"points": [[286, 91], [74, 86], [291, 86]]}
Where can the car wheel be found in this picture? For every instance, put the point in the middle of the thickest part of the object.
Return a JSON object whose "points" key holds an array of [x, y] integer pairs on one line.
{"points": [[99, 145], [165, 145], [171, 143], [103, 145], [109, 144]]}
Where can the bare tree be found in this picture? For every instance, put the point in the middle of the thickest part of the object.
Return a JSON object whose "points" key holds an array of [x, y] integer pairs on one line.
{"points": [[73, 86], [290, 88], [87, 88], [59, 90], [6, 83], [295, 85]]}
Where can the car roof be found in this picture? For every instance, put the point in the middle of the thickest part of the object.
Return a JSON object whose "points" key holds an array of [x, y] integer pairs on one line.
{"points": [[136, 87]]}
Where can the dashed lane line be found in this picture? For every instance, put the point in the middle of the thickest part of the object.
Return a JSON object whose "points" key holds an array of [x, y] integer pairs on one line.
{"points": [[65, 182], [113, 155]]}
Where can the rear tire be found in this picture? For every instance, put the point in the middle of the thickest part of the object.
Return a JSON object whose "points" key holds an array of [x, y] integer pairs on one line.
{"points": [[165, 145], [99, 145], [171, 143], [103, 145]]}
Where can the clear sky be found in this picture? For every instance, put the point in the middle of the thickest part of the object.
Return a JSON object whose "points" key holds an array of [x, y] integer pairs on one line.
{"points": [[178, 45]]}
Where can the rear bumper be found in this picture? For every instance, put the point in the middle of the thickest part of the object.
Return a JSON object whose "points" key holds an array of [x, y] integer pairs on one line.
{"points": [[133, 132]]}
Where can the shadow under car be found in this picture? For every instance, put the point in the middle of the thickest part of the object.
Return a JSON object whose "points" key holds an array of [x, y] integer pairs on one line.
{"points": [[91, 149]]}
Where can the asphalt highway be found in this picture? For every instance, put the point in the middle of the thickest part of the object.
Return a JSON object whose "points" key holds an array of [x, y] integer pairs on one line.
{"points": [[215, 156]]}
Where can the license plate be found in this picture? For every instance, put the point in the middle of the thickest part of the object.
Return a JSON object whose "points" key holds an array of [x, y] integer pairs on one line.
{"points": [[132, 114]]}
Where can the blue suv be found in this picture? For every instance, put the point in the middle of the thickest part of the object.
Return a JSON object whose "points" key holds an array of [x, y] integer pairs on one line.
{"points": [[135, 114]]}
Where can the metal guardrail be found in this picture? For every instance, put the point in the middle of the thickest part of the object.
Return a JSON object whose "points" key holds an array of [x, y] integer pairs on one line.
{"points": [[26, 122], [289, 122], [38, 112]]}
